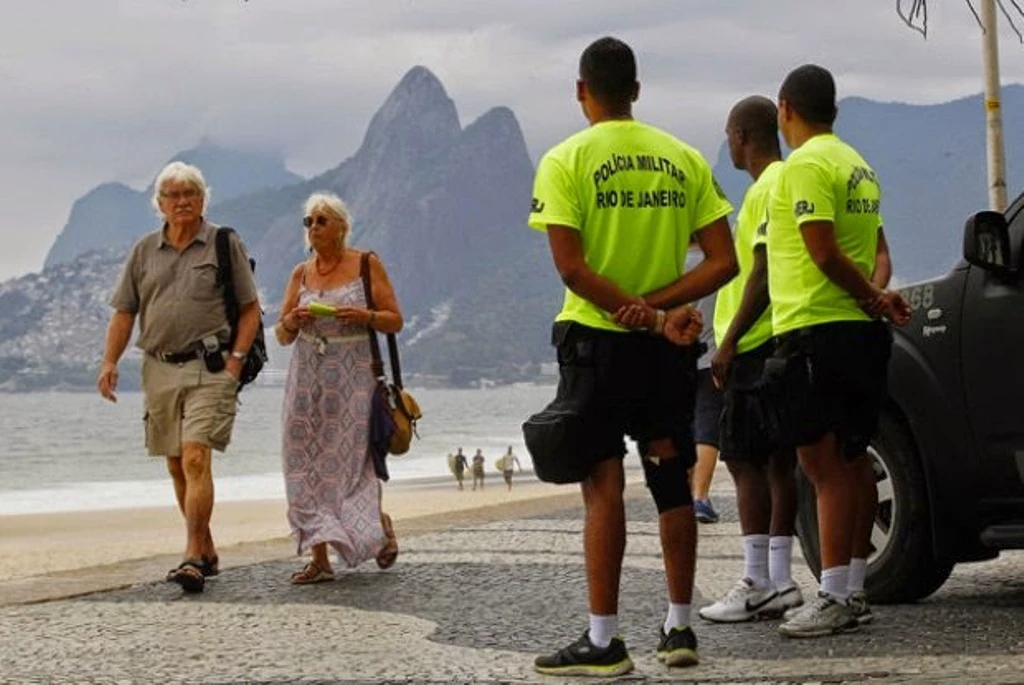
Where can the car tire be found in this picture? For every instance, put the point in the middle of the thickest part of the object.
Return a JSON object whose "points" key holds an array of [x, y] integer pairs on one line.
{"points": [[905, 569]]}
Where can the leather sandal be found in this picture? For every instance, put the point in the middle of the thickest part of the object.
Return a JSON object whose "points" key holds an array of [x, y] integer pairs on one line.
{"points": [[210, 566], [189, 575], [311, 573], [387, 556]]}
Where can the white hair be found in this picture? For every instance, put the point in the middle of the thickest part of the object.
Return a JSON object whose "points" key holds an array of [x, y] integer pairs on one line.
{"points": [[332, 204], [179, 172]]}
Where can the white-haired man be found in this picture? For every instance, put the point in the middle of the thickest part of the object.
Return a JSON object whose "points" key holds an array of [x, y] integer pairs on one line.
{"points": [[189, 372]]}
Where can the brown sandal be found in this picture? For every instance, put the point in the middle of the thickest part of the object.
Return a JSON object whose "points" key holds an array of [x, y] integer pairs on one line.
{"points": [[311, 573], [387, 556], [189, 575]]}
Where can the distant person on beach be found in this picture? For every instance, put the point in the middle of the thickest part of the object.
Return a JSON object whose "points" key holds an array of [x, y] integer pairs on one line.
{"points": [[189, 373], [478, 469], [508, 463], [459, 465], [334, 495], [619, 202]]}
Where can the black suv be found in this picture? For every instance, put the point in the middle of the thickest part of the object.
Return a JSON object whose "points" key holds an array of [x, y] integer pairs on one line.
{"points": [[949, 454]]}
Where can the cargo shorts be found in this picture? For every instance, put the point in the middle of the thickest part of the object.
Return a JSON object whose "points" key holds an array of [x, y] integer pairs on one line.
{"points": [[186, 403]]}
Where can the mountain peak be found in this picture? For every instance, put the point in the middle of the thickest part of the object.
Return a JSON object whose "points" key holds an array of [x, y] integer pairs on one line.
{"points": [[419, 104], [420, 79]]}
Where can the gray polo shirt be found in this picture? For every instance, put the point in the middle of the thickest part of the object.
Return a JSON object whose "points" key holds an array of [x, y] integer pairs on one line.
{"points": [[176, 296]]}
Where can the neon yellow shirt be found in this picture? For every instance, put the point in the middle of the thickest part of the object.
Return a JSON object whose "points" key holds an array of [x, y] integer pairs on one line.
{"points": [[751, 230], [823, 180], [635, 194]]}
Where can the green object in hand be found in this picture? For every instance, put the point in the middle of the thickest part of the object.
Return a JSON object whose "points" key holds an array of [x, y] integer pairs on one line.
{"points": [[318, 309]]}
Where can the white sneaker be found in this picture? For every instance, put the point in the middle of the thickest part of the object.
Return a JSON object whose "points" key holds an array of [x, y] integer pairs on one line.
{"points": [[743, 602], [787, 600], [820, 617], [861, 609]]}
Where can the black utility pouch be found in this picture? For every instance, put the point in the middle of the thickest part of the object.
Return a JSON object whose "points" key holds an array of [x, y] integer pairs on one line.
{"points": [[559, 438], [212, 355]]}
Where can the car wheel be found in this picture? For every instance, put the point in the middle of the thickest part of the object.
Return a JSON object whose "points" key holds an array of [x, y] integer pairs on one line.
{"points": [[902, 565]]}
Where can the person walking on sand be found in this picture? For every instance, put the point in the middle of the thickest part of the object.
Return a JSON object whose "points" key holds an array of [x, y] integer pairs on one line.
{"points": [[332, 485], [478, 469], [508, 463], [189, 374], [459, 465]]}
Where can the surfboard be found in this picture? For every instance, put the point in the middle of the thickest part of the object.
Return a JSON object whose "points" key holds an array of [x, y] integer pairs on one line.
{"points": [[499, 464]]}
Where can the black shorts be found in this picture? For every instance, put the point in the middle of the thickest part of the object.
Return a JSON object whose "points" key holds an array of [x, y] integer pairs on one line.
{"points": [[708, 412], [748, 431], [633, 384], [830, 378]]}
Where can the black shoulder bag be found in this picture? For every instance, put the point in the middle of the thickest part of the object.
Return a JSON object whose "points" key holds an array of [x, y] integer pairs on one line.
{"points": [[257, 356]]}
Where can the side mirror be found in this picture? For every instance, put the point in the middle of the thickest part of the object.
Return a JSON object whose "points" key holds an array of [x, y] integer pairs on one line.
{"points": [[987, 243]]}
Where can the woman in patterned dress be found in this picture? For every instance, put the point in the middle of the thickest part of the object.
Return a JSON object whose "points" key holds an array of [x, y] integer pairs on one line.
{"points": [[333, 492]]}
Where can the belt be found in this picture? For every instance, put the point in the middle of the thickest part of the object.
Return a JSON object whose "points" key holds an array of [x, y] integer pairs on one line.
{"points": [[326, 339], [182, 357]]}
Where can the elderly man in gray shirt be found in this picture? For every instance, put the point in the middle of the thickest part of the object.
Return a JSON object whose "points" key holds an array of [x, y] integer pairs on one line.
{"points": [[189, 374]]}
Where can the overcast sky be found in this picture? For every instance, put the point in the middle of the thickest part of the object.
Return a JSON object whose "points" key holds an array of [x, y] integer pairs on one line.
{"points": [[100, 90]]}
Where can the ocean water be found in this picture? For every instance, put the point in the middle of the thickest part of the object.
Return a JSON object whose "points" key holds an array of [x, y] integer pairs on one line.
{"points": [[64, 451]]}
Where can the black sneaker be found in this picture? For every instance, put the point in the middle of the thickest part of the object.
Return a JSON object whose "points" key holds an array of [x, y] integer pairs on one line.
{"points": [[678, 648], [584, 658]]}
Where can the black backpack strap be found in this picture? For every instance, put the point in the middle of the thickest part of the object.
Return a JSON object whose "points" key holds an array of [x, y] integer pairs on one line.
{"points": [[226, 279]]}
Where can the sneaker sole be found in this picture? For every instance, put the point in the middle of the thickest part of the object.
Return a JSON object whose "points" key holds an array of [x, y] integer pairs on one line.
{"points": [[610, 671], [769, 615], [865, 619], [851, 627], [679, 657], [706, 519]]}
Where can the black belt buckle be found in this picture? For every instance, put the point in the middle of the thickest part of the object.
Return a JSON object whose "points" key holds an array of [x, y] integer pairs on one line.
{"points": [[177, 357]]}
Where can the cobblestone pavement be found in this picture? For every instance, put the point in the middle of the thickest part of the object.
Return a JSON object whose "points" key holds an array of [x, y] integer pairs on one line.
{"points": [[475, 604]]}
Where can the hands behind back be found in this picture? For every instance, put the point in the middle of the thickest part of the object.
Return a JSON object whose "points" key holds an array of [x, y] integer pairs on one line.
{"points": [[890, 305], [683, 325]]}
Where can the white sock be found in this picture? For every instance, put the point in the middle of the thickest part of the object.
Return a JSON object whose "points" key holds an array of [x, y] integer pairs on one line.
{"points": [[603, 629], [678, 617], [834, 581], [755, 559], [780, 556], [858, 569]]}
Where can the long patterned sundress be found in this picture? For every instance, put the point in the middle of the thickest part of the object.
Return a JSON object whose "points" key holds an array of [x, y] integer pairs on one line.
{"points": [[333, 491]]}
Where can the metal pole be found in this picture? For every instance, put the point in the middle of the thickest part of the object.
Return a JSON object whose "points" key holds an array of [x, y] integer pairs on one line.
{"points": [[993, 111]]}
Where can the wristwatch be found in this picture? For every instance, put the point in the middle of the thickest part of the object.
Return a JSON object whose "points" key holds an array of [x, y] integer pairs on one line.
{"points": [[240, 356]]}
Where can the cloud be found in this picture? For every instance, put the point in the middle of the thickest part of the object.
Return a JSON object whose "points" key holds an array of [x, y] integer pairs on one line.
{"points": [[109, 90]]}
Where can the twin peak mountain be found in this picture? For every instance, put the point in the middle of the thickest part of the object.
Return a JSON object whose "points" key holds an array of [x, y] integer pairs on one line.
{"points": [[444, 206]]}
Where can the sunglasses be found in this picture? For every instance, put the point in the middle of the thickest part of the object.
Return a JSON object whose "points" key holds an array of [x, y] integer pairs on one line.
{"points": [[308, 221]]}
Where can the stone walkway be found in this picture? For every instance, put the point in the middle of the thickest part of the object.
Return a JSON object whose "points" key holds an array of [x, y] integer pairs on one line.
{"points": [[476, 602]]}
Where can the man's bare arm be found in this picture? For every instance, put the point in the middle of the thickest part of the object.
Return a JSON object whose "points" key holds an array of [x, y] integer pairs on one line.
{"points": [[567, 251], [717, 269], [820, 239], [119, 332], [883, 262], [755, 299]]}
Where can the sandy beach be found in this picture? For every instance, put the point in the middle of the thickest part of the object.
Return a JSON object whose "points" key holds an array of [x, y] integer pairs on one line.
{"points": [[37, 544]]}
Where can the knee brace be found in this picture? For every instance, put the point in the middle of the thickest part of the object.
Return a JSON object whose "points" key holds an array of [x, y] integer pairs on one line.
{"points": [[667, 480]]}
